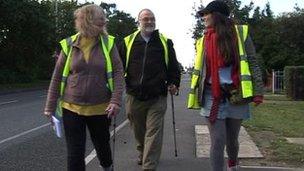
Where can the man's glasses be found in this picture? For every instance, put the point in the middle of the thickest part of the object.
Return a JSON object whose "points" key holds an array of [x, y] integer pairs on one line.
{"points": [[146, 19]]}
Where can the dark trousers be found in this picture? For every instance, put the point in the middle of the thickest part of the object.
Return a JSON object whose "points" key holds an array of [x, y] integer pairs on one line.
{"points": [[75, 135]]}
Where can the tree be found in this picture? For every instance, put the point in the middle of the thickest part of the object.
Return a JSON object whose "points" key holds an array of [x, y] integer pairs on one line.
{"points": [[289, 27], [262, 31], [31, 29], [120, 23], [25, 45], [199, 26], [240, 15]]}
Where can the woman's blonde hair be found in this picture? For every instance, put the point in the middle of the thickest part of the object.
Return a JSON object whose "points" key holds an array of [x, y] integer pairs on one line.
{"points": [[86, 19]]}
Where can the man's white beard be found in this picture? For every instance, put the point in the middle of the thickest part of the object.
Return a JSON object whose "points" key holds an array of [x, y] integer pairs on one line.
{"points": [[149, 29]]}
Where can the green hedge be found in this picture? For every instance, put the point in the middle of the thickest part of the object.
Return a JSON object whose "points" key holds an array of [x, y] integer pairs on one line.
{"points": [[294, 82]]}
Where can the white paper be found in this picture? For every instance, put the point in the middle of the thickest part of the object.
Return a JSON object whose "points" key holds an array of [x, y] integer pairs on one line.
{"points": [[57, 126]]}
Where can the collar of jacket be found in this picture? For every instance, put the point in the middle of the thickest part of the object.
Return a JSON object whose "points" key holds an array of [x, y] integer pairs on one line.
{"points": [[76, 43], [154, 35]]}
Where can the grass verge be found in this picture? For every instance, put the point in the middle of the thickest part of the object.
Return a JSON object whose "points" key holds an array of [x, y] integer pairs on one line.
{"points": [[275, 119]]}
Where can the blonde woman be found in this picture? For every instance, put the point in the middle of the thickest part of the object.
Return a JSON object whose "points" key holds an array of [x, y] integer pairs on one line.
{"points": [[87, 84]]}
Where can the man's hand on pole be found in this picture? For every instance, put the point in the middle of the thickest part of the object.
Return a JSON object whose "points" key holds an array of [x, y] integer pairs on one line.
{"points": [[173, 89]]}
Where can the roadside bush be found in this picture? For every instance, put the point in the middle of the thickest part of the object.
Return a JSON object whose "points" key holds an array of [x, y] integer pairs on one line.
{"points": [[294, 82]]}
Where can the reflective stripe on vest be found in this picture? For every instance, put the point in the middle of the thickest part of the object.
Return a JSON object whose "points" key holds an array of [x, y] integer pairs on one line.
{"points": [[245, 75], [193, 94], [129, 42], [106, 44], [246, 82]]}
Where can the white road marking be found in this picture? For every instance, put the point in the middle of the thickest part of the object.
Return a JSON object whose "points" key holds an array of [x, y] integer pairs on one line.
{"points": [[8, 102], [92, 155], [88, 159], [23, 133]]}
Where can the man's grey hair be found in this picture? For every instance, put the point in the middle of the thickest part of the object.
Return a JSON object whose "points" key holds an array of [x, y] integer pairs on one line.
{"points": [[145, 9]]}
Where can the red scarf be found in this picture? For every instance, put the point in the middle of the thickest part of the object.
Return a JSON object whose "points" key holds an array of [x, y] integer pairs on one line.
{"points": [[215, 61]]}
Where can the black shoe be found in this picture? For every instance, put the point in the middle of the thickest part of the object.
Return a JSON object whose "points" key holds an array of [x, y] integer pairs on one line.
{"points": [[139, 160]]}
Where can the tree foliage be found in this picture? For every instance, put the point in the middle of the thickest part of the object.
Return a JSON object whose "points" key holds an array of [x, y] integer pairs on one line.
{"points": [[120, 23], [199, 26], [30, 31]]}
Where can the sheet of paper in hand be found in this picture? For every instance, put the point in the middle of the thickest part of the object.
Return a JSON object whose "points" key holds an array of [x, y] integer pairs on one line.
{"points": [[57, 126]]}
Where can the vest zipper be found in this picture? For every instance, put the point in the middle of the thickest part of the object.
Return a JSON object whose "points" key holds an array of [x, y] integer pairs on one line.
{"points": [[143, 66]]}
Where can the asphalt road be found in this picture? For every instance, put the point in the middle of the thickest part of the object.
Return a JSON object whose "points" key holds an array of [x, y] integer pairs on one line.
{"points": [[27, 141]]}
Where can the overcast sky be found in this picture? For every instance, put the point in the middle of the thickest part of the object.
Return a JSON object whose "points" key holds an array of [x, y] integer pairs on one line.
{"points": [[174, 19]]}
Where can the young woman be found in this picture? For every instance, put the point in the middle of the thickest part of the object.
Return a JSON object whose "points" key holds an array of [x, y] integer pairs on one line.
{"points": [[226, 78]]}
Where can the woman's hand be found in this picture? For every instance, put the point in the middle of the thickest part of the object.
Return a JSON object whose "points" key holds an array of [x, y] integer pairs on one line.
{"points": [[173, 89], [112, 110], [258, 100], [49, 116]]}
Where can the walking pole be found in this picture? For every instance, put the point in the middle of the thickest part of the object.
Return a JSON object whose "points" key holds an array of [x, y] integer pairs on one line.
{"points": [[114, 134], [173, 117]]}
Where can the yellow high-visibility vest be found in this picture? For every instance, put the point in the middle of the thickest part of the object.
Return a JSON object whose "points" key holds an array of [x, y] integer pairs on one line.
{"points": [[129, 42], [245, 77], [106, 42]]}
